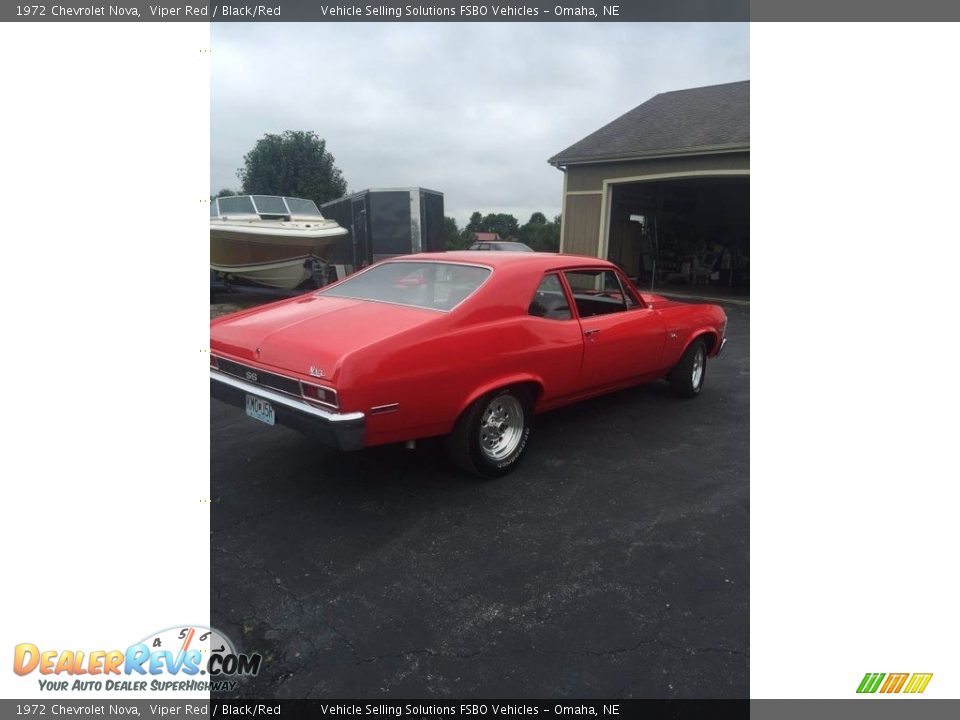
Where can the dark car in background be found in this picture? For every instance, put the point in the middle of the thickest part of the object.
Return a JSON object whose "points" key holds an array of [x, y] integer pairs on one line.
{"points": [[502, 245]]}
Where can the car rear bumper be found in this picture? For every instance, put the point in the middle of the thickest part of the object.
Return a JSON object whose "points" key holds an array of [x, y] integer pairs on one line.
{"points": [[341, 430]]}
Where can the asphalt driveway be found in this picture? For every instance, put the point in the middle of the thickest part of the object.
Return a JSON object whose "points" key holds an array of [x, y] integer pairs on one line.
{"points": [[612, 563]]}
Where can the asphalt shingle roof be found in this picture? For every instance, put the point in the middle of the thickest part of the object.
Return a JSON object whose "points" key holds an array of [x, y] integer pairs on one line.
{"points": [[717, 116]]}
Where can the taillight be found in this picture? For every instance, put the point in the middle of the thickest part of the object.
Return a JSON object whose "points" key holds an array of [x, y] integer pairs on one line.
{"points": [[319, 394]]}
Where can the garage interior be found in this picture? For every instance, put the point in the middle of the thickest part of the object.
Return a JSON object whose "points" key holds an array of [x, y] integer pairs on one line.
{"points": [[682, 232]]}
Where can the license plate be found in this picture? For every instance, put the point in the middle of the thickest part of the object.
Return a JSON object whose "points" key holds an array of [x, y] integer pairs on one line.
{"points": [[260, 409]]}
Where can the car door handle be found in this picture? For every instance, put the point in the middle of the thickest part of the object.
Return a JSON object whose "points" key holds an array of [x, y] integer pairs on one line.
{"points": [[591, 332]]}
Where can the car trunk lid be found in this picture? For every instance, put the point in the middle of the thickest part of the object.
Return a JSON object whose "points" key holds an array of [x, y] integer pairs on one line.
{"points": [[312, 335]]}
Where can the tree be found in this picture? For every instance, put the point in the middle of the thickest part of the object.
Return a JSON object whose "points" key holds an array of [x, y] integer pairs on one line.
{"points": [[224, 192], [456, 239], [476, 223], [541, 235], [295, 163], [506, 226]]}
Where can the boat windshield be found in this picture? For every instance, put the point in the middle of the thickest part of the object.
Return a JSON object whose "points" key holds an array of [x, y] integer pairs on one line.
{"points": [[302, 206], [270, 205], [267, 206], [236, 205], [428, 285]]}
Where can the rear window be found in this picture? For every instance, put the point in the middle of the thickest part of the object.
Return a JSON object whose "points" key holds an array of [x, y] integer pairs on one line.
{"points": [[433, 286]]}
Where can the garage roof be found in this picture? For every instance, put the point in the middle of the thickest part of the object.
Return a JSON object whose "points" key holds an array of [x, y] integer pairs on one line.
{"points": [[704, 119]]}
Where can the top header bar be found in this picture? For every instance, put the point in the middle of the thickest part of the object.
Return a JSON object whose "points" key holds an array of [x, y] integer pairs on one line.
{"points": [[380, 11], [479, 11]]}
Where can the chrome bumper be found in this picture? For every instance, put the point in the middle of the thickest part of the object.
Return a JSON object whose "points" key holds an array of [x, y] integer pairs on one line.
{"points": [[723, 344], [342, 430]]}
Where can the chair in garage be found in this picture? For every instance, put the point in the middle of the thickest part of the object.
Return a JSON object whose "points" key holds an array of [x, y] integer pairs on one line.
{"points": [[704, 267]]}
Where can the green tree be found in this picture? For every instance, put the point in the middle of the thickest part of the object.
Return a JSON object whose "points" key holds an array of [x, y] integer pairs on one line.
{"points": [[541, 235], [456, 239], [476, 223], [506, 226], [294, 163], [225, 192]]}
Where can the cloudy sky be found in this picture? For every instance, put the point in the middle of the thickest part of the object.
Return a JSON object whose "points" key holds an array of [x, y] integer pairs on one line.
{"points": [[473, 110]]}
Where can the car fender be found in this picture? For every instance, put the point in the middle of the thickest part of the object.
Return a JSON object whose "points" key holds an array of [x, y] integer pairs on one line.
{"points": [[505, 381], [703, 332]]}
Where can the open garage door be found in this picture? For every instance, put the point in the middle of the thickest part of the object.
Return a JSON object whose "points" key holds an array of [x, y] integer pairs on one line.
{"points": [[676, 232]]}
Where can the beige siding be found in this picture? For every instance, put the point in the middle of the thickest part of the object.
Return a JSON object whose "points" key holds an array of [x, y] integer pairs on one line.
{"points": [[581, 224], [591, 177]]}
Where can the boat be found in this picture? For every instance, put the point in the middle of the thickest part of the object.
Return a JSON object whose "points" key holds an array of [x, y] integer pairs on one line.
{"points": [[275, 241]]}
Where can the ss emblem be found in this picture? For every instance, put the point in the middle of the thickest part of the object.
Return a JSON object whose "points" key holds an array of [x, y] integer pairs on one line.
{"points": [[251, 376]]}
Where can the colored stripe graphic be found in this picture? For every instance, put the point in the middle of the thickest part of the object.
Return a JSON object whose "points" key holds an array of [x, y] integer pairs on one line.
{"points": [[870, 682], [918, 683], [894, 682]]}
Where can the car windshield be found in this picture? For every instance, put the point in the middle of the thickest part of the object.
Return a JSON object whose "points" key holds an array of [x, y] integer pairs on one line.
{"points": [[514, 247], [429, 285]]}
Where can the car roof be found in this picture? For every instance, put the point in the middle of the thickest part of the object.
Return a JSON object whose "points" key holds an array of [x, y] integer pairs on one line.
{"points": [[534, 260]]}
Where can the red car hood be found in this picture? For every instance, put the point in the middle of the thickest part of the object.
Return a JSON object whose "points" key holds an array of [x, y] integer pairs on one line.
{"points": [[657, 301], [312, 332]]}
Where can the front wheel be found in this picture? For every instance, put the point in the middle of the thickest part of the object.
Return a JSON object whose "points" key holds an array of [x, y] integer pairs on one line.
{"points": [[686, 378], [491, 435]]}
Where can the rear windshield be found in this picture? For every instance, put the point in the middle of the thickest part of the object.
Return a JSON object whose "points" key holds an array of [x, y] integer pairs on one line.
{"points": [[430, 285]]}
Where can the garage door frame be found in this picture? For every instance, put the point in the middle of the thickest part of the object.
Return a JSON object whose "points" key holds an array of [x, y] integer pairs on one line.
{"points": [[603, 241]]}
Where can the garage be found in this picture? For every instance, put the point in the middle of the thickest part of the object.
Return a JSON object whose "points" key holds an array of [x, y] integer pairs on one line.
{"points": [[664, 190]]}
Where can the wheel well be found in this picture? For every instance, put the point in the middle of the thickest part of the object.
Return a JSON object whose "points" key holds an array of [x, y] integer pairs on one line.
{"points": [[709, 340], [534, 388]]}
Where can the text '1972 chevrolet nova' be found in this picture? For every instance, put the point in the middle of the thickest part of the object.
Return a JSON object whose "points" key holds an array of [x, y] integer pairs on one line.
{"points": [[468, 345]]}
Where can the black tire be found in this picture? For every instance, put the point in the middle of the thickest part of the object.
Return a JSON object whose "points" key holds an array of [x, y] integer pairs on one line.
{"points": [[684, 381], [464, 444]]}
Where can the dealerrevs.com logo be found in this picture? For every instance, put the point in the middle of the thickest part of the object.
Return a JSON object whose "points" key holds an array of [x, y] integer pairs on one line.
{"points": [[911, 683], [188, 658]]}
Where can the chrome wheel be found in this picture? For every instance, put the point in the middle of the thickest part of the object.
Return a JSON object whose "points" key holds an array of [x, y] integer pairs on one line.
{"points": [[501, 427], [697, 374]]}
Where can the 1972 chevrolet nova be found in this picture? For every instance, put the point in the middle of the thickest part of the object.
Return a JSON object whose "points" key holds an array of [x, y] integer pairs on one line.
{"points": [[469, 345]]}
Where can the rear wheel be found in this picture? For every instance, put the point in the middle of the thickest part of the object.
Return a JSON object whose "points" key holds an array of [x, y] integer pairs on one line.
{"points": [[686, 378], [491, 435]]}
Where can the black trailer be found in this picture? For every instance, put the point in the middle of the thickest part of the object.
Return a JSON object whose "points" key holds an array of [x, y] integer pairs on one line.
{"points": [[385, 222]]}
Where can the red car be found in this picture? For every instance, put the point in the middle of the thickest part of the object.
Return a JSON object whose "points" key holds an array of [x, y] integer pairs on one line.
{"points": [[468, 345]]}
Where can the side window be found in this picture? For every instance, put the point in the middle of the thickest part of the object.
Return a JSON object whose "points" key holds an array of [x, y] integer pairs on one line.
{"points": [[628, 295], [549, 301], [597, 292]]}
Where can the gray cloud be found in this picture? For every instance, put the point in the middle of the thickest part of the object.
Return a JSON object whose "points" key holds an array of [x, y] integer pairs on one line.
{"points": [[473, 110]]}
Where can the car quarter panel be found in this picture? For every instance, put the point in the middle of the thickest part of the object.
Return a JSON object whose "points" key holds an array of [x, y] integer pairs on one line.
{"points": [[431, 380]]}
